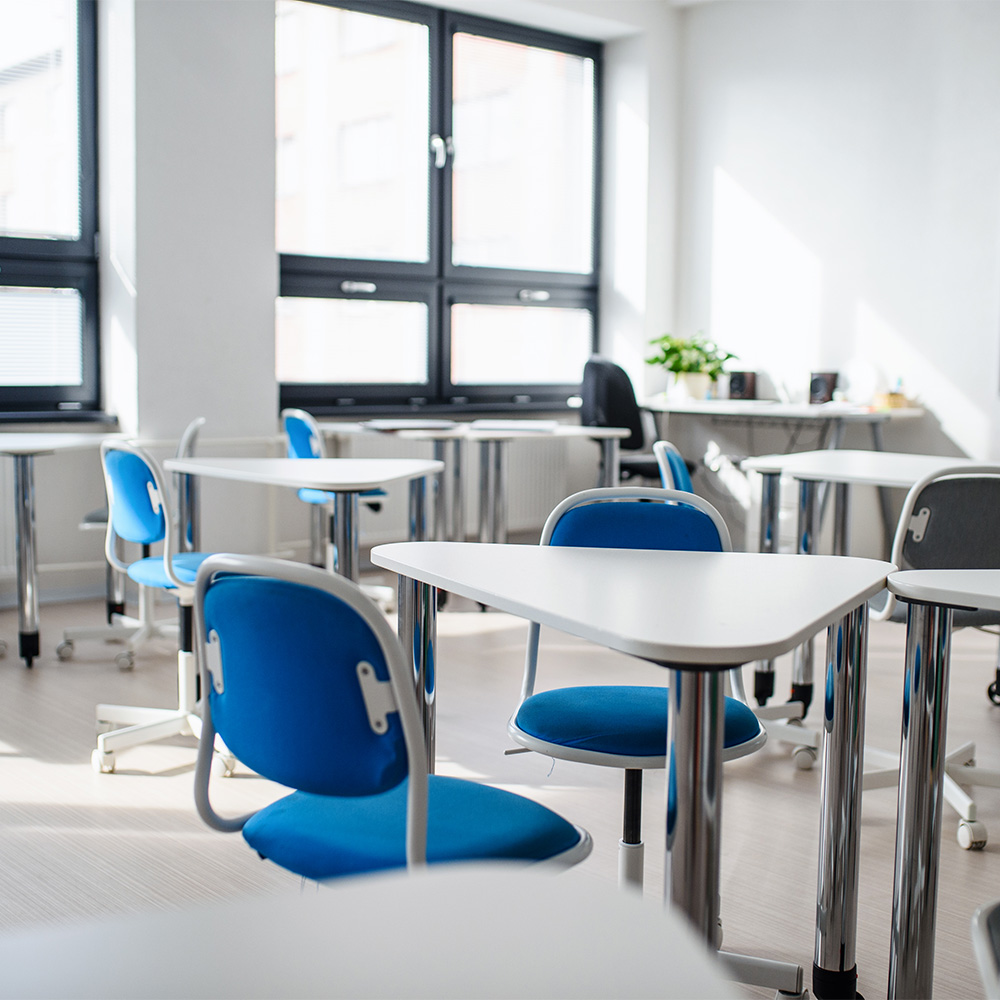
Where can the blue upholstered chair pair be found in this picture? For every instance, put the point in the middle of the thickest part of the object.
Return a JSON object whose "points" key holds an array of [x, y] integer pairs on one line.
{"points": [[309, 686]]}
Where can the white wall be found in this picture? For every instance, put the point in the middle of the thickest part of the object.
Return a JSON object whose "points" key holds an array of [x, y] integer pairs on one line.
{"points": [[840, 192]]}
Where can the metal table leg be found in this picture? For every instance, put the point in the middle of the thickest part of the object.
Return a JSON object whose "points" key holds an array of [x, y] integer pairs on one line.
{"points": [[492, 491], [694, 798], [770, 492], [27, 592], [418, 633], [802, 657], [344, 529], [920, 804], [609, 461], [835, 962]]}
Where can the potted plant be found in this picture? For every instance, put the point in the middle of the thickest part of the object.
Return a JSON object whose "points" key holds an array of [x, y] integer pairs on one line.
{"points": [[696, 363]]}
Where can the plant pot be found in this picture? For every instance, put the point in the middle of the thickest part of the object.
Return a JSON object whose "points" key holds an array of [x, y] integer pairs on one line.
{"points": [[690, 385]]}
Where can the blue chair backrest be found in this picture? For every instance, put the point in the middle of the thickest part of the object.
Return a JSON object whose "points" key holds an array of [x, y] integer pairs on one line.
{"points": [[291, 706], [679, 475], [633, 524], [134, 501], [303, 441]]}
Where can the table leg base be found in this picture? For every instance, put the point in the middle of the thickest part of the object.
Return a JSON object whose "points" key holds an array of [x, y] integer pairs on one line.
{"points": [[830, 984], [28, 646], [763, 686]]}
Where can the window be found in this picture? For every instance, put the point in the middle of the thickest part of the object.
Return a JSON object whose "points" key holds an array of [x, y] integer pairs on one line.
{"points": [[48, 208], [436, 209]]}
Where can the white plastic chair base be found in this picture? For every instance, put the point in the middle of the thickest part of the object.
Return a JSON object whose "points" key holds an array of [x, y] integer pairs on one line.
{"points": [[630, 865], [959, 766]]}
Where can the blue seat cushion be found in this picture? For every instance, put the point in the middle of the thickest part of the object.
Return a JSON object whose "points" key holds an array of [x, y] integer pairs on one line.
{"points": [[321, 497], [617, 719], [321, 836], [150, 572]]}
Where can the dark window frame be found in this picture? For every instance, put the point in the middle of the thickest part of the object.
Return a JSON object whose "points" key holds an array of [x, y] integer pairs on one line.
{"points": [[439, 281], [63, 263]]}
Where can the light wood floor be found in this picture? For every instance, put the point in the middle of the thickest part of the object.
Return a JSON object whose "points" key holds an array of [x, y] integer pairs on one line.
{"points": [[74, 844]]}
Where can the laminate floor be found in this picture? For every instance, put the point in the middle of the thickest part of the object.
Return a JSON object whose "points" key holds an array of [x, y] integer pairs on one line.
{"points": [[77, 845]]}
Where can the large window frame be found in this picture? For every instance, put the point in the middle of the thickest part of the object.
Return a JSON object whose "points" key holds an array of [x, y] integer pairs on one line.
{"points": [[65, 263], [437, 281]]}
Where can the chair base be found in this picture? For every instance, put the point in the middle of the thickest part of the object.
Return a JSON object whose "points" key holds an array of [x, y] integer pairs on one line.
{"points": [[135, 632], [149, 725], [960, 769], [785, 724]]}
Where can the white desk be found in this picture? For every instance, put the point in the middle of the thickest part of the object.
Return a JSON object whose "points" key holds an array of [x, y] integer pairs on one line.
{"points": [[932, 595], [699, 614], [495, 435], [23, 448], [842, 468], [829, 417], [346, 478], [456, 931]]}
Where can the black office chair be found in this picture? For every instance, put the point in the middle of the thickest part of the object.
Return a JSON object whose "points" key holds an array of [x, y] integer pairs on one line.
{"points": [[609, 401]]}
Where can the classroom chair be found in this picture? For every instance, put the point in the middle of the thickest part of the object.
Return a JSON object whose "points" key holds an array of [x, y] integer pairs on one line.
{"points": [[305, 440], [674, 473], [141, 512], [623, 726], [309, 686], [137, 631], [948, 521], [609, 401]]}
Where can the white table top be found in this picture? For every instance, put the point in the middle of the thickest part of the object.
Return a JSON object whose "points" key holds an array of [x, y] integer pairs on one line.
{"points": [[773, 409], [505, 430], [841, 465], [699, 609], [43, 442], [336, 475], [446, 931], [956, 588]]}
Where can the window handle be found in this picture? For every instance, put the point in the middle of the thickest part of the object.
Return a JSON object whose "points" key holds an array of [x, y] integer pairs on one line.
{"points": [[533, 295], [358, 286], [442, 148]]}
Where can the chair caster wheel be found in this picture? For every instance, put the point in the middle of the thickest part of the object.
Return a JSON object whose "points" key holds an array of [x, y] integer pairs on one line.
{"points": [[223, 765], [64, 651], [804, 757], [103, 762], [125, 660], [993, 693], [971, 835]]}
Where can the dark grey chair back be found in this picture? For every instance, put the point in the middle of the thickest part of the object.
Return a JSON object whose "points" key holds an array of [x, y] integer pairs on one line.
{"points": [[609, 401]]}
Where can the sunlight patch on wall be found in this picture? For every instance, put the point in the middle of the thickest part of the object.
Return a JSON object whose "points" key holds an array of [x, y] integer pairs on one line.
{"points": [[766, 290], [894, 357]]}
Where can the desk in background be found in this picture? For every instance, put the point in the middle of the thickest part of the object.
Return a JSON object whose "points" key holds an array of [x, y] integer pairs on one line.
{"points": [[932, 595], [664, 608], [842, 469], [830, 419], [493, 437], [23, 448], [346, 478]]}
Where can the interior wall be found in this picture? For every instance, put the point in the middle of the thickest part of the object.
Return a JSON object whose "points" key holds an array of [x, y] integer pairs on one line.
{"points": [[840, 193]]}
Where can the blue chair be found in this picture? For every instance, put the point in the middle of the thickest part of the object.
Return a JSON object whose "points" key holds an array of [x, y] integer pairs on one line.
{"points": [[136, 632], [623, 726], [310, 687], [140, 512], [674, 473], [305, 440]]}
